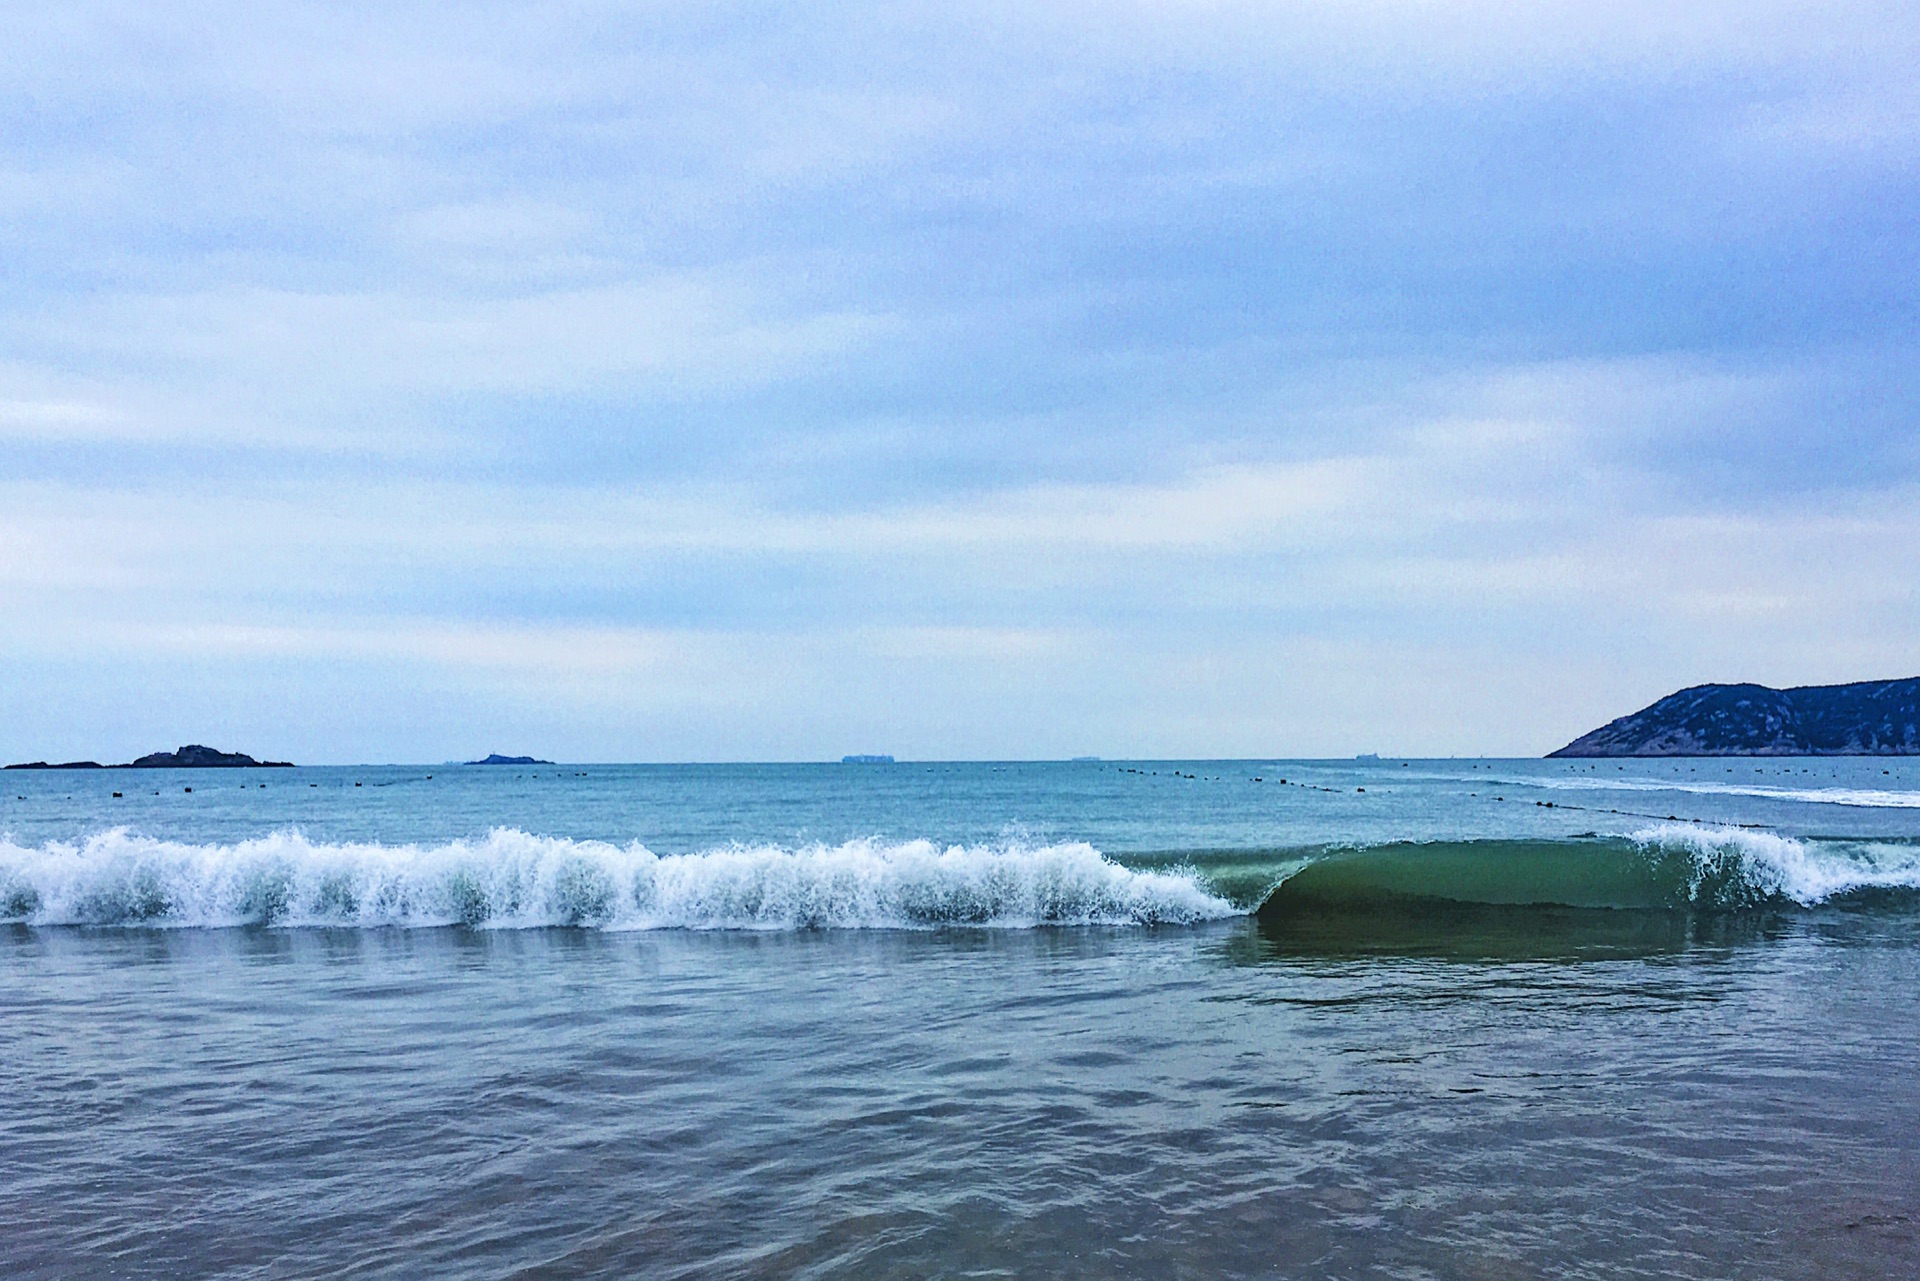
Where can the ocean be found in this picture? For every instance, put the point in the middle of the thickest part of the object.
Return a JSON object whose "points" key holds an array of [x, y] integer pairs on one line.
{"points": [[1393, 1019]]}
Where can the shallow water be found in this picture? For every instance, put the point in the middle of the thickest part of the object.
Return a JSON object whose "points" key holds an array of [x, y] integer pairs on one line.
{"points": [[1196, 1102], [1409, 1089]]}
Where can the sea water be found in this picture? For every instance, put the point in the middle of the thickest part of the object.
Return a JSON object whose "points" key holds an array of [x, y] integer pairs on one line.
{"points": [[1253, 1018]]}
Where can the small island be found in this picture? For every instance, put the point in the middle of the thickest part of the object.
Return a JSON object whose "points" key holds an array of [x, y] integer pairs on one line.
{"points": [[1866, 718], [494, 758], [191, 756]]}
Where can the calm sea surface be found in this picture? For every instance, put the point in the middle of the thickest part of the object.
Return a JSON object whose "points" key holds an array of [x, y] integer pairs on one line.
{"points": [[1431, 1019]]}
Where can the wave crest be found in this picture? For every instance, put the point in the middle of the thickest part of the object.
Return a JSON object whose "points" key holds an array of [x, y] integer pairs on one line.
{"points": [[1728, 867], [514, 879]]}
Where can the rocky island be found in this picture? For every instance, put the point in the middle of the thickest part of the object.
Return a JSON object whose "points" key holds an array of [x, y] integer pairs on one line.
{"points": [[191, 756], [1867, 718]]}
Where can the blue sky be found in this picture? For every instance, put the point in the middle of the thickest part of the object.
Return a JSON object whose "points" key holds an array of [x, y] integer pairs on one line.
{"points": [[402, 382]]}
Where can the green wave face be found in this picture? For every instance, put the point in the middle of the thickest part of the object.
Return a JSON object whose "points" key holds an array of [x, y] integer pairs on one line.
{"points": [[1479, 900], [1676, 867], [1438, 930], [1588, 874]]}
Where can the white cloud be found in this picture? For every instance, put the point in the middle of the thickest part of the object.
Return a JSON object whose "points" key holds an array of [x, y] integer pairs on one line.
{"points": [[700, 376], [693, 332], [55, 419], [1457, 554]]}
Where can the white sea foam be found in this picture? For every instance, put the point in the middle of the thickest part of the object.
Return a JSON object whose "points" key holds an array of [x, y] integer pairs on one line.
{"points": [[1855, 797], [1732, 866], [513, 879]]}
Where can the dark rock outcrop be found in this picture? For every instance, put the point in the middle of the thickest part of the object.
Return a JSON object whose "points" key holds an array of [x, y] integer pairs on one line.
{"points": [[195, 756], [1868, 718], [494, 758], [192, 756]]}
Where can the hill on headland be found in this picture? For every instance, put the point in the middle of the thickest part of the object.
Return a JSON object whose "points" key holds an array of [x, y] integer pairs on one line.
{"points": [[191, 756], [1867, 718]]}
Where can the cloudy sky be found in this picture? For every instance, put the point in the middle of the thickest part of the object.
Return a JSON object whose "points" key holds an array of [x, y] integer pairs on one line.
{"points": [[766, 381]]}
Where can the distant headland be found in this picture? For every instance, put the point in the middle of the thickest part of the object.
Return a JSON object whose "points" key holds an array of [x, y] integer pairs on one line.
{"points": [[1867, 718], [192, 756], [494, 758]]}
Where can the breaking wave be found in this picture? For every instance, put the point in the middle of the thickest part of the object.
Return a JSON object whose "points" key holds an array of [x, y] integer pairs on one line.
{"points": [[1669, 866], [510, 879], [513, 879]]}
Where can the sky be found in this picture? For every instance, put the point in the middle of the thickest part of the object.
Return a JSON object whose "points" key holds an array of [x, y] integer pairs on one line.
{"points": [[403, 381]]}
